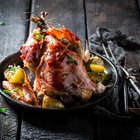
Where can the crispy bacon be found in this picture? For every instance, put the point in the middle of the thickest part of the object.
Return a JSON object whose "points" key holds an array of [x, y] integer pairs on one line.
{"points": [[31, 52], [22, 92], [61, 72], [56, 57], [68, 38], [33, 49]]}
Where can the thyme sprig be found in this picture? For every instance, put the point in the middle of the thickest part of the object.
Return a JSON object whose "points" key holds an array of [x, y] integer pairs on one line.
{"points": [[71, 60]]}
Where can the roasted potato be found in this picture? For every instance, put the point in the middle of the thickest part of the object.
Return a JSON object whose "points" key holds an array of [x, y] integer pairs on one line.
{"points": [[14, 74], [50, 102]]}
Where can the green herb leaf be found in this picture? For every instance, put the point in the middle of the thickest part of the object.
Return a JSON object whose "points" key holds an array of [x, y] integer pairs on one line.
{"points": [[2, 23], [36, 31], [13, 67], [39, 36], [10, 66], [14, 90], [6, 91], [90, 73], [2, 110], [71, 60], [21, 93]]}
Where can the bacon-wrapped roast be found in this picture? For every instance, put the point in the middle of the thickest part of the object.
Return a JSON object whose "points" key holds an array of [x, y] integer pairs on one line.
{"points": [[56, 57], [61, 72], [68, 38]]}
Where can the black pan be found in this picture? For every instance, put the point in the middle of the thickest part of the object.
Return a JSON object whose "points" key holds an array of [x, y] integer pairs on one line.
{"points": [[15, 59]]}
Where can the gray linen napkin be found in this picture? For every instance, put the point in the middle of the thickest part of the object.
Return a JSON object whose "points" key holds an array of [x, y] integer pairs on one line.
{"points": [[114, 104]]}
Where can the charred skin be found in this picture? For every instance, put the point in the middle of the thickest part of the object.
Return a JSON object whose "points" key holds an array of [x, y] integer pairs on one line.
{"points": [[61, 72]]}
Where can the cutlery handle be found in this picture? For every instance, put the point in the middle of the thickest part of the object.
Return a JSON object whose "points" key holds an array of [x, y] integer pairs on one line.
{"points": [[125, 88], [135, 86], [131, 81]]}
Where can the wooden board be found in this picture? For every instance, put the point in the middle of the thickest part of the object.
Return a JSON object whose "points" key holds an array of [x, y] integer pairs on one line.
{"points": [[57, 127], [115, 130], [121, 15], [12, 35], [68, 13]]}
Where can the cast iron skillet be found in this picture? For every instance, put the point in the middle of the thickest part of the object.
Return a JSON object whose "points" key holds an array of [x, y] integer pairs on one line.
{"points": [[15, 59]]}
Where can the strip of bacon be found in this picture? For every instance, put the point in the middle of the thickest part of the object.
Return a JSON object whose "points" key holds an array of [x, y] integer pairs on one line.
{"points": [[61, 72], [31, 52], [68, 38], [22, 92]]}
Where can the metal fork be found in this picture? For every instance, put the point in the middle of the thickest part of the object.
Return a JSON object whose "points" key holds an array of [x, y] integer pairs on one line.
{"points": [[128, 77]]}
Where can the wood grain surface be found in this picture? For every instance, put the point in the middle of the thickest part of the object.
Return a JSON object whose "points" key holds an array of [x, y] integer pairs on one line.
{"points": [[121, 14], [12, 35], [68, 13]]}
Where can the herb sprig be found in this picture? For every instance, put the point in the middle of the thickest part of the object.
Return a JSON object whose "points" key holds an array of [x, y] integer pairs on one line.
{"points": [[11, 70], [71, 60], [3, 110], [14, 90], [6, 91], [38, 34]]}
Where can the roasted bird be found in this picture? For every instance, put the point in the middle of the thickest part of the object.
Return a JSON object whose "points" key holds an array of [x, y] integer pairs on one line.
{"points": [[57, 59], [61, 72]]}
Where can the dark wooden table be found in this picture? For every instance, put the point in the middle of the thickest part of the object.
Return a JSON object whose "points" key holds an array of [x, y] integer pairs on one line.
{"points": [[82, 17]]}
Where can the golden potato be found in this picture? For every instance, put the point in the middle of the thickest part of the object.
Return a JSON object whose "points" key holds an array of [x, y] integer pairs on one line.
{"points": [[97, 60], [18, 77], [97, 68], [14, 74], [49, 102]]}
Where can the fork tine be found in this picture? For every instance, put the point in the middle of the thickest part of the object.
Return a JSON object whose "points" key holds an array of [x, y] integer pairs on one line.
{"points": [[125, 89], [125, 85], [115, 60], [106, 53]]}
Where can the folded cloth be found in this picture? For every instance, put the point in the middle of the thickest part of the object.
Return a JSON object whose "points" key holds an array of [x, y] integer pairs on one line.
{"points": [[113, 106]]}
